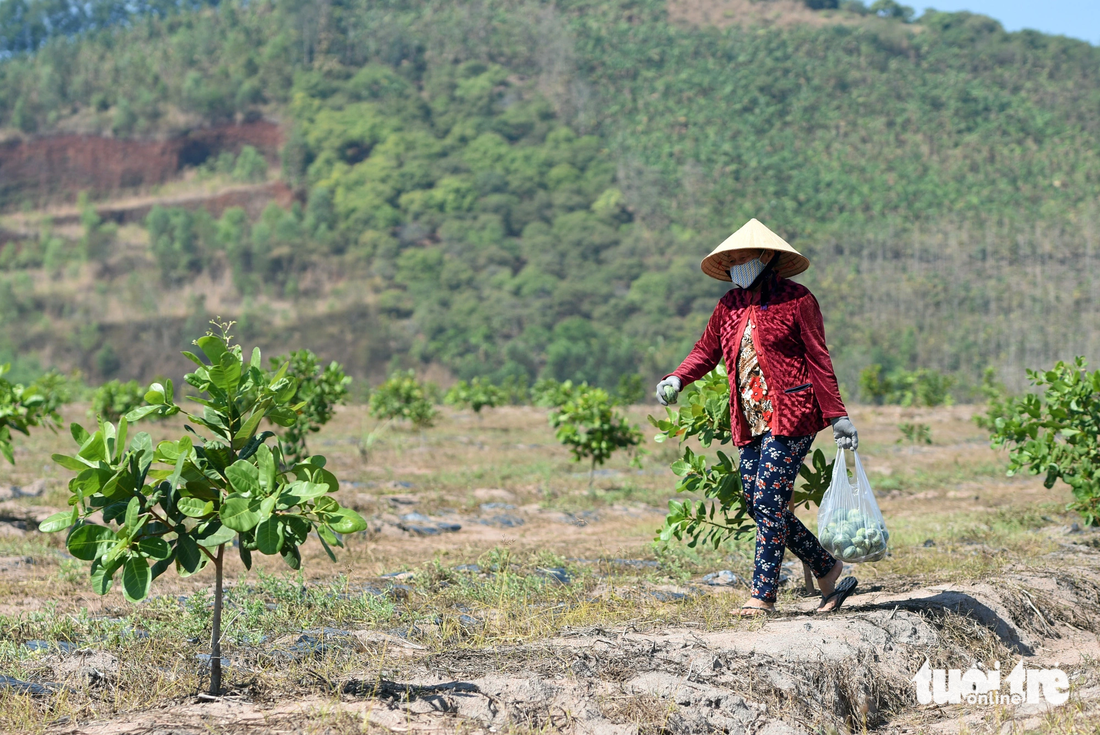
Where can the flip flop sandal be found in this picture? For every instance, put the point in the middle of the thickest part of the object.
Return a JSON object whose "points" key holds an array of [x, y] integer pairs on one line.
{"points": [[749, 611], [843, 589]]}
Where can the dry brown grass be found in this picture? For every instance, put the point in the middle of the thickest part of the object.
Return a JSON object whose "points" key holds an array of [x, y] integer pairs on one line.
{"points": [[777, 13]]}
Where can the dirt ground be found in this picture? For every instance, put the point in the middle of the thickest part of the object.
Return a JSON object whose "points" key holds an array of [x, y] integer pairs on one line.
{"points": [[777, 13], [501, 589]]}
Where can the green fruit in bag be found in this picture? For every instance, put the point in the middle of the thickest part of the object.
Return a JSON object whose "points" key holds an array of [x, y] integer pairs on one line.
{"points": [[849, 553]]}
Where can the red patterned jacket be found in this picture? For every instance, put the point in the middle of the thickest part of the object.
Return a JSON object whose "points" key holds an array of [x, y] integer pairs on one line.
{"points": [[790, 345]]}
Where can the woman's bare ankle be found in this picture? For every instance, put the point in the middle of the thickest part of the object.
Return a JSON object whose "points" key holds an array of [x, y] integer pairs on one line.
{"points": [[828, 583]]}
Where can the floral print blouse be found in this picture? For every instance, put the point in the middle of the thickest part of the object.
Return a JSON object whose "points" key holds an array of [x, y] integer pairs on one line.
{"points": [[755, 403]]}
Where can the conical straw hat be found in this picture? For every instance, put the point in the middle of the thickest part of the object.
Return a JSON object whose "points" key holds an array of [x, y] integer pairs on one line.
{"points": [[754, 236]]}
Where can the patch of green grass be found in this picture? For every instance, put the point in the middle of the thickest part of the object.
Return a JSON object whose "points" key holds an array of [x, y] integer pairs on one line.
{"points": [[34, 545], [916, 480], [78, 628], [636, 492], [970, 546]]}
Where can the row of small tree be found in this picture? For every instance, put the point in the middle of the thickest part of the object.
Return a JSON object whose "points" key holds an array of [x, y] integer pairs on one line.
{"points": [[180, 504], [1054, 434], [404, 397], [320, 389], [139, 509], [586, 419]]}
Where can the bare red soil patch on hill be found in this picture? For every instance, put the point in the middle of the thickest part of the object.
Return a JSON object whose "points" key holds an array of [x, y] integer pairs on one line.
{"points": [[38, 169]]}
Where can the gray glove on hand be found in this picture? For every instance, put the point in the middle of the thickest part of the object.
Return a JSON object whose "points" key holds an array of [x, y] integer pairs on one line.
{"points": [[672, 383], [845, 434]]}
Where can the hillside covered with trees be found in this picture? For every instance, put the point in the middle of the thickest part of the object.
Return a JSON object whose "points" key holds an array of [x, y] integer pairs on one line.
{"points": [[520, 189]]}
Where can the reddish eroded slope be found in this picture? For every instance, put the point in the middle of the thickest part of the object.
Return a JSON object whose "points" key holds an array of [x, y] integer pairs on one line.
{"points": [[41, 168]]}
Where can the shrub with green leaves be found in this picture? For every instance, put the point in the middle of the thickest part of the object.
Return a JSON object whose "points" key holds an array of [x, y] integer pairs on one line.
{"points": [[1057, 433], [549, 393], [631, 390], [180, 504], [59, 389], [320, 390], [923, 387], [874, 385], [402, 396], [926, 387], [23, 407], [515, 391], [98, 236], [720, 513], [477, 394], [250, 166], [179, 240], [996, 400], [592, 428], [114, 399]]}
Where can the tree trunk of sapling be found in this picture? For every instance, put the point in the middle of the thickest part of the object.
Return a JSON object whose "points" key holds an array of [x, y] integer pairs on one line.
{"points": [[808, 578], [216, 633]]}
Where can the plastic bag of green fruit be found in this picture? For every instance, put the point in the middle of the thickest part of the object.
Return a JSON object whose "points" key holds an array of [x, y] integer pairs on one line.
{"points": [[850, 525]]}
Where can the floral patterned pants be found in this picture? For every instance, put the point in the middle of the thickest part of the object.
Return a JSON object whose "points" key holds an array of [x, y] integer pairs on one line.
{"points": [[769, 467]]}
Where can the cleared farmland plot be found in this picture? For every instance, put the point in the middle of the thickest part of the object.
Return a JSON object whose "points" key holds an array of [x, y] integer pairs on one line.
{"points": [[496, 591]]}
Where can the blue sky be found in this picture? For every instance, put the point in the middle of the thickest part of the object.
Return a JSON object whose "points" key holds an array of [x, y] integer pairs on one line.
{"points": [[1075, 18]]}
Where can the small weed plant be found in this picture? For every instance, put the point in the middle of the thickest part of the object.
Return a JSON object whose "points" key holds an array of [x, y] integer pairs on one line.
{"points": [[915, 433]]}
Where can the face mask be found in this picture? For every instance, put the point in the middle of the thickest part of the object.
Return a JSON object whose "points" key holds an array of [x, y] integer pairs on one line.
{"points": [[743, 275]]}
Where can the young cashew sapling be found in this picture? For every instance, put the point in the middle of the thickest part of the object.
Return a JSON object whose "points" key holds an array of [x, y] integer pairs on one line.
{"points": [[178, 504]]}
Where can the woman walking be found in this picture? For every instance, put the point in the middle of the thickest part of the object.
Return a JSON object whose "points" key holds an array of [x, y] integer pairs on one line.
{"points": [[783, 391]]}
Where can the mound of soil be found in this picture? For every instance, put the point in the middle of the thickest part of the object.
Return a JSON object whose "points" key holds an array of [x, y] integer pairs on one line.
{"points": [[794, 673]]}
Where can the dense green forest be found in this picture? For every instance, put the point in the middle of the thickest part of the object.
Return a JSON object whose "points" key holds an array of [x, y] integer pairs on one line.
{"points": [[526, 189]]}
